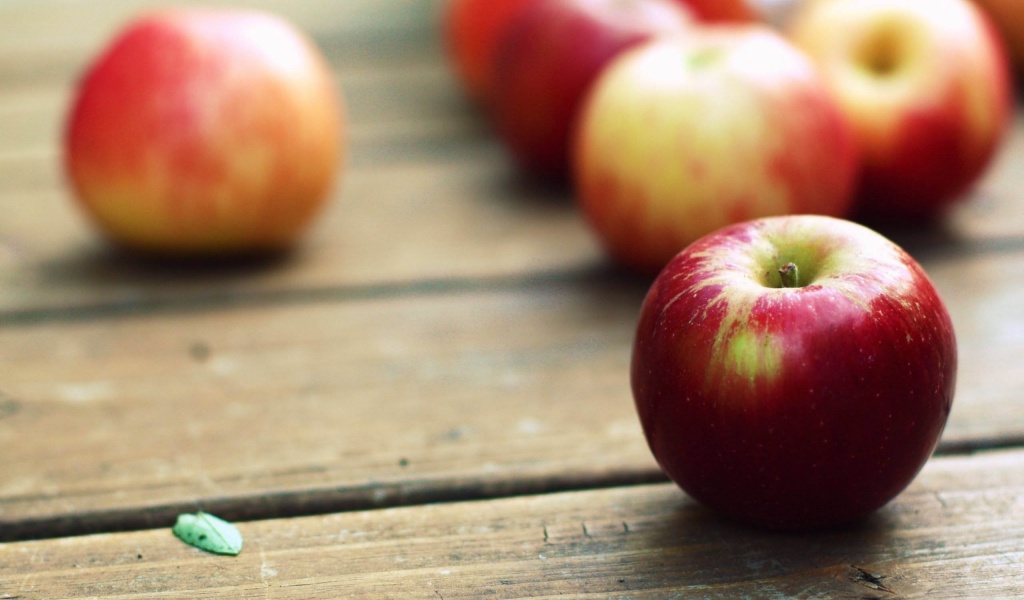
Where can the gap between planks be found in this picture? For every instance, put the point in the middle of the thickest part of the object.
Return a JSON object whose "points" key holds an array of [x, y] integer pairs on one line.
{"points": [[406, 493], [953, 533]]}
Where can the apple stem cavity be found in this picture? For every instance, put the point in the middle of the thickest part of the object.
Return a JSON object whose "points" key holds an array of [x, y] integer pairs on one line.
{"points": [[790, 275]]}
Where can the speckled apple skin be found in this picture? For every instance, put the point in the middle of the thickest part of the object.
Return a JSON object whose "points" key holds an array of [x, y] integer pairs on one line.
{"points": [[793, 408]]}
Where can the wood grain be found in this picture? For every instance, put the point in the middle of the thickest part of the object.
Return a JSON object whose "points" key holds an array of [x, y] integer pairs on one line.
{"points": [[448, 336], [338, 401], [953, 534], [384, 395]]}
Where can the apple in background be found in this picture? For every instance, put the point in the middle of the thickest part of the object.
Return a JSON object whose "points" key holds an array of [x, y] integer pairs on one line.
{"points": [[547, 59], [686, 134], [714, 11], [793, 372], [1008, 16], [470, 30], [927, 87], [205, 132], [774, 12]]}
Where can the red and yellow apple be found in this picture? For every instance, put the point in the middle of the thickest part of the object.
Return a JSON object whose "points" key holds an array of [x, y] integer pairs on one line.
{"points": [[686, 134], [205, 132], [793, 372], [926, 85], [470, 30], [548, 57]]}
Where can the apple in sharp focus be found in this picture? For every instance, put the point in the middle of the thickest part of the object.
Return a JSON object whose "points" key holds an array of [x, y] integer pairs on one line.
{"points": [[793, 372], [686, 134], [470, 30], [205, 132], [926, 85], [547, 59]]}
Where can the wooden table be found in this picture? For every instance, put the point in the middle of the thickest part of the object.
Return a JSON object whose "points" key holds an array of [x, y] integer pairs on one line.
{"points": [[430, 398]]}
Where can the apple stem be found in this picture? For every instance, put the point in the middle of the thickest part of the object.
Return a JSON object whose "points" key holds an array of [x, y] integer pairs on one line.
{"points": [[790, 275]]}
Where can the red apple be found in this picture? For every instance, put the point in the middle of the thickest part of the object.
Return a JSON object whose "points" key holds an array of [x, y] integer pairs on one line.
{"points": [[205, 132], [793, 372], [926, 85], [548, 57], [471, 29], [684, 135], [714, 11], [1008, 15]]}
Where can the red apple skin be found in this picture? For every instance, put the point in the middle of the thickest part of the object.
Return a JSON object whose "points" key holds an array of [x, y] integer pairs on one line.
{"points": [[205, 132], [793, 408], [719, 11], [470, 30], [684, 135], [927, 88], [546, 61]]}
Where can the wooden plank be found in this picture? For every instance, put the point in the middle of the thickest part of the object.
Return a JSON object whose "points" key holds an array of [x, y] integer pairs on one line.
{"points": [[380, 395], [48, 40], [955, 533], [350, 401]]}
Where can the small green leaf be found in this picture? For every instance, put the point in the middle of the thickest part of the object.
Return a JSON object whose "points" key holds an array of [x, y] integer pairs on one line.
{"points": [[207, 532]]}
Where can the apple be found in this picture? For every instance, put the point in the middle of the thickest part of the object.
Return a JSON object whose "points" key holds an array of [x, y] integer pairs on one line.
{"points": [[470, 31], [926, 85], [1008, 16], [547, 59], [205, 132], [715, 11], [686, 134], [793, 372]]}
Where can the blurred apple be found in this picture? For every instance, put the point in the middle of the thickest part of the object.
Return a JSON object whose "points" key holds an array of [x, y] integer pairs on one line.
{"points": [[1008, 15], [547, 59], [925, 84], [773, 12], [205, 132], [687, 134], [714, 11], [471, 29]]}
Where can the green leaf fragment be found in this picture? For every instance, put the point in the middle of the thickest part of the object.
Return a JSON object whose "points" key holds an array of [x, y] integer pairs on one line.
{"points": [[207, 532]]}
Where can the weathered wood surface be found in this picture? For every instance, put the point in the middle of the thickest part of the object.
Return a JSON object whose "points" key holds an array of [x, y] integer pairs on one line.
{"points": [[955, 533], [446, 332], [378, 396]]}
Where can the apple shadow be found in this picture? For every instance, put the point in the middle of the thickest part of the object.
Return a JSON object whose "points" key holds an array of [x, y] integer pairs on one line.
{"points": [[696, 548], [101, 266]]}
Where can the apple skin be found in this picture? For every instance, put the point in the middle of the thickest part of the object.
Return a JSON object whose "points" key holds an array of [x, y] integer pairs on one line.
{"points": [[548, 57], [470, 32], [1008, 16], [793, 408], [718, 11], [205, 132], [684, 135], [927, 88]]}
